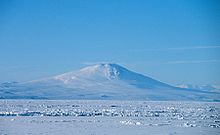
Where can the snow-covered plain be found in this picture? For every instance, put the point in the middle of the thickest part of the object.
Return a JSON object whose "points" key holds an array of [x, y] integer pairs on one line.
{"points": [[108, 117]]}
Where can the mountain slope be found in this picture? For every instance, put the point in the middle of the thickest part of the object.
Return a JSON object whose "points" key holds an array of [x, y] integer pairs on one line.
{"points": [[102, 81]]}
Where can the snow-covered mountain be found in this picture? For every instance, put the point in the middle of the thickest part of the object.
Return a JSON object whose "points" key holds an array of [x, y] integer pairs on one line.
{"points": [[102, 81]]}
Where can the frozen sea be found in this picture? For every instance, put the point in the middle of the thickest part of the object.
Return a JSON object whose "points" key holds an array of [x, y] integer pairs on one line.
{"points": [[90, 117]]}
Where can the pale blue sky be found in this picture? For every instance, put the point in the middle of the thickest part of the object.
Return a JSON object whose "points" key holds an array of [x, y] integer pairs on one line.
{"points": [[175, 41]]}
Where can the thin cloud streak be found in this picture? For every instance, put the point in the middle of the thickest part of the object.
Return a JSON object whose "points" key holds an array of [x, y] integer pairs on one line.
{"points": [[157, 62], [176, 49], [18, 67], [94, 63], [192, 61], [101, 62]]}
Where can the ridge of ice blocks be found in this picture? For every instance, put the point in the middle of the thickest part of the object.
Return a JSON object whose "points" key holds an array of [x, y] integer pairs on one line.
{"points": [[185, 113], [99, 117]]}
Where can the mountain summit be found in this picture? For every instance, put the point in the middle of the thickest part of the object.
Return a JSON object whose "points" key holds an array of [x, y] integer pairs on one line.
{"points": [[102, 81], [104, 71], [109, 73]]}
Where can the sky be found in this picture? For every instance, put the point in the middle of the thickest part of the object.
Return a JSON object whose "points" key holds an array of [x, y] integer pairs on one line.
{"points": [[174, 41]]}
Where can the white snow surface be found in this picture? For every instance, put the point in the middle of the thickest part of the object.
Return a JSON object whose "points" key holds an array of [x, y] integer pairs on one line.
{"points": [[108, 117], [102, 81]]}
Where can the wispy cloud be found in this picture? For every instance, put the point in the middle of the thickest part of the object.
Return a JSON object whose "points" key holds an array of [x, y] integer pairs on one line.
{"points": [[99, 62], [175, 62], [94, 63], [191, 61], [157, 62], [194, 48], [177, 48], [15, 67]]}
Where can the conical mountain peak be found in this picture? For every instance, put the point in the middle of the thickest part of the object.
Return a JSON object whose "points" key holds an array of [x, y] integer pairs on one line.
{"points": [[105, 69], [99, 71], [108, 71]]}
